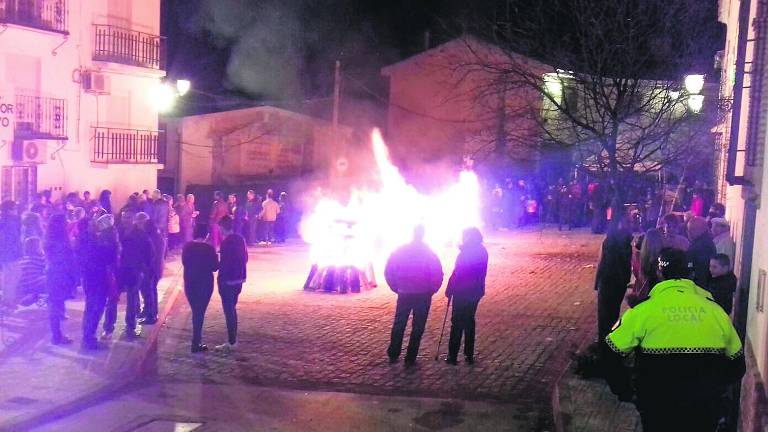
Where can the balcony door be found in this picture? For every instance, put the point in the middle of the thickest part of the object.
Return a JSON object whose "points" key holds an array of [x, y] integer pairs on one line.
{"points": [[18, 183]]}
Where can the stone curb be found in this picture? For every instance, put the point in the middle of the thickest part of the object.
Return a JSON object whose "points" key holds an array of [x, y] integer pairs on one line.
{"points": [[114, 383], [559, 417]]}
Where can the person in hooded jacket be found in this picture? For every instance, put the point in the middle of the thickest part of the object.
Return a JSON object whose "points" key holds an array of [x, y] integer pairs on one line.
{"points": [[466, 287]]}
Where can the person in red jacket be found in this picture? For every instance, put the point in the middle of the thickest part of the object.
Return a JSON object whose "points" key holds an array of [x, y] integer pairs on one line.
{"points": [[232, 274], [466, 287], [414, 272]]}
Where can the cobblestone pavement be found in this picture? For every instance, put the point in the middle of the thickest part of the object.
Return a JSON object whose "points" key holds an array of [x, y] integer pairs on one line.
{"points": [[539, 306]]}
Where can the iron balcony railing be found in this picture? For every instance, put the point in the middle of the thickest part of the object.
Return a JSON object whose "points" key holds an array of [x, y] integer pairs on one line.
{"points": [[40, 117], [135, 48], [48, 15], [127, 146]]}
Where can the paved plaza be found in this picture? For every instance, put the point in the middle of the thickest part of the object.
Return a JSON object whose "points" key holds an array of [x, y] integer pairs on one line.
{"points": [[310, 361], [539, 306]]}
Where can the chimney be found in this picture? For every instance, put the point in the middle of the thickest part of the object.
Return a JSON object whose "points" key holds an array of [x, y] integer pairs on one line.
{"points": [[426, 40]]}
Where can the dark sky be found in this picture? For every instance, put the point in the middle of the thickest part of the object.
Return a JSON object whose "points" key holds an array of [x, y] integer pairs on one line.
{"points": [[284, 50]]}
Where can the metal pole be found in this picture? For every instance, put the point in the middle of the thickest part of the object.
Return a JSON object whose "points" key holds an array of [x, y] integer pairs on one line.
{"points": [[445, 318], [336, 102]]}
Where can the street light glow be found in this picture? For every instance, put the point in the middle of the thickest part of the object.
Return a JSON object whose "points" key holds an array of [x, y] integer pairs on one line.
{"points": [[183, 86], [695, 102], [694, 83], [163, 97]]}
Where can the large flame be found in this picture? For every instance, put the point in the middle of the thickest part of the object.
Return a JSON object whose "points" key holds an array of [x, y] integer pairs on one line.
{"points": [[375, 222]]}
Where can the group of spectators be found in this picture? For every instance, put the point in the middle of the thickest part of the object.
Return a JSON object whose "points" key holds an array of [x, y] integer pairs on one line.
{"points": [[679, 323], [259, 220], [581, 202], [50, 249]]}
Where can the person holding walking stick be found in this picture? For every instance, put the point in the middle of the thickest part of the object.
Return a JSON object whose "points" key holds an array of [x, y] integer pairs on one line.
{"points": [[414, 273], [466, 287]]}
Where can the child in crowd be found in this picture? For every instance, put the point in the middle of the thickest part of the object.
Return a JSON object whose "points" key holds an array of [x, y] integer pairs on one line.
{"points": [[32, 268], [722, 283]]}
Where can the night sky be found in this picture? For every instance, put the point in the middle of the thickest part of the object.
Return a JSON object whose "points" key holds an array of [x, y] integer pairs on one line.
{"points": [[283, 52], [239, 53]]}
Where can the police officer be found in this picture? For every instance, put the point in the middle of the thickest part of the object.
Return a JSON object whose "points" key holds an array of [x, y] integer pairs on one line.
{"points": [[687, 352]]}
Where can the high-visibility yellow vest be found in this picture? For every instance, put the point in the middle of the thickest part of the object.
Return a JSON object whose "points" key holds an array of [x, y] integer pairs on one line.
{"points": [[678, 318]]}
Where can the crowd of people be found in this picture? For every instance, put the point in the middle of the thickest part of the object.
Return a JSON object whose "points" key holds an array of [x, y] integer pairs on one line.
{"points": [[582, 202], [680, 300], [51, 251]]}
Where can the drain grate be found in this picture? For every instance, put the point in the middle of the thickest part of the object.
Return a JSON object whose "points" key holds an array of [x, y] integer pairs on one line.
{"points": [[160, 425]]}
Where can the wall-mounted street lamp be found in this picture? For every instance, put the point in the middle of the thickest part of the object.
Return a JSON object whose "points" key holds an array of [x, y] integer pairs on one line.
{"points": [[694, 83], [163, 94]]}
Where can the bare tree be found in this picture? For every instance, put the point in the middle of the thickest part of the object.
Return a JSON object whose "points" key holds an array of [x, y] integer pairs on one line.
{"points": [[608, 75]]}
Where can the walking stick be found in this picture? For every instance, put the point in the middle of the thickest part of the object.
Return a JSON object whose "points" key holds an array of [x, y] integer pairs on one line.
{"points": [[445, 318]]}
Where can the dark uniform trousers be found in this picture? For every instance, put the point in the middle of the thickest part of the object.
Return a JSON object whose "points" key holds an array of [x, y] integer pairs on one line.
{"points": [[198, 295], [419, 304], [659, 416], [462, 323]]}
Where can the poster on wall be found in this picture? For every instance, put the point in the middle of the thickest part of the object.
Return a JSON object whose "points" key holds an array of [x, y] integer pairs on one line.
{"points": [[7, 118]]}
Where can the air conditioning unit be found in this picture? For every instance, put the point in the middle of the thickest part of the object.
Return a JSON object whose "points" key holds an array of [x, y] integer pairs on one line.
{"points": [[29, 151], [95, 82]]}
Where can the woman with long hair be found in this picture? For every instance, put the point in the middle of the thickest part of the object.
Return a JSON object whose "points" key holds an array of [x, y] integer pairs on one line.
{"points": [[646, 278], [31, 226], [105, 200], [61, 275], [466, 287]]}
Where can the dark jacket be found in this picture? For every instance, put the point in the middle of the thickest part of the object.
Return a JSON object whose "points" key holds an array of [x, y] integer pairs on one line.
{"points": [[61, 269], [200, 261], [234, 257], [467, 282], [722, 289], [615, 267], [10, 238], [159, 215], [138, 252], [414, 269], [699, 253]]}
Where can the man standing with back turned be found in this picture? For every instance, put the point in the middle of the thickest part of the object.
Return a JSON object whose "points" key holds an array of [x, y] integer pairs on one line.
{"points": [[414, 272]]}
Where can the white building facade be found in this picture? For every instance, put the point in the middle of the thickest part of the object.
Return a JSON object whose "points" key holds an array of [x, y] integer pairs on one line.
{"points": [[77, 113], [743, 185]]}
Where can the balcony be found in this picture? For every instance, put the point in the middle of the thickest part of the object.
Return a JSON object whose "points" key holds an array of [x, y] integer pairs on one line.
{"points": [[130, 47], [49, 15], [127, 146], [41, 117]]}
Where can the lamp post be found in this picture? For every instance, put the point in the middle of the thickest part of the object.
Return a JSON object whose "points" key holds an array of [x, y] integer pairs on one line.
{"points": [[694, 84]]}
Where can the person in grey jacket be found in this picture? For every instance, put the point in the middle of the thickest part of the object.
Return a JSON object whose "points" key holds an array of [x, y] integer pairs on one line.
{"points": [[414, 273]]}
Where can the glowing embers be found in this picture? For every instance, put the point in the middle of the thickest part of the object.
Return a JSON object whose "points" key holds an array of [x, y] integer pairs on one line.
{"points": [[341, 279]]}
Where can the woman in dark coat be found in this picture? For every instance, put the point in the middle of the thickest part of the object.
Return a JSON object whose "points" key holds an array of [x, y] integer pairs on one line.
{"points": [[613, 275], [60, 274], [466, 287]]}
